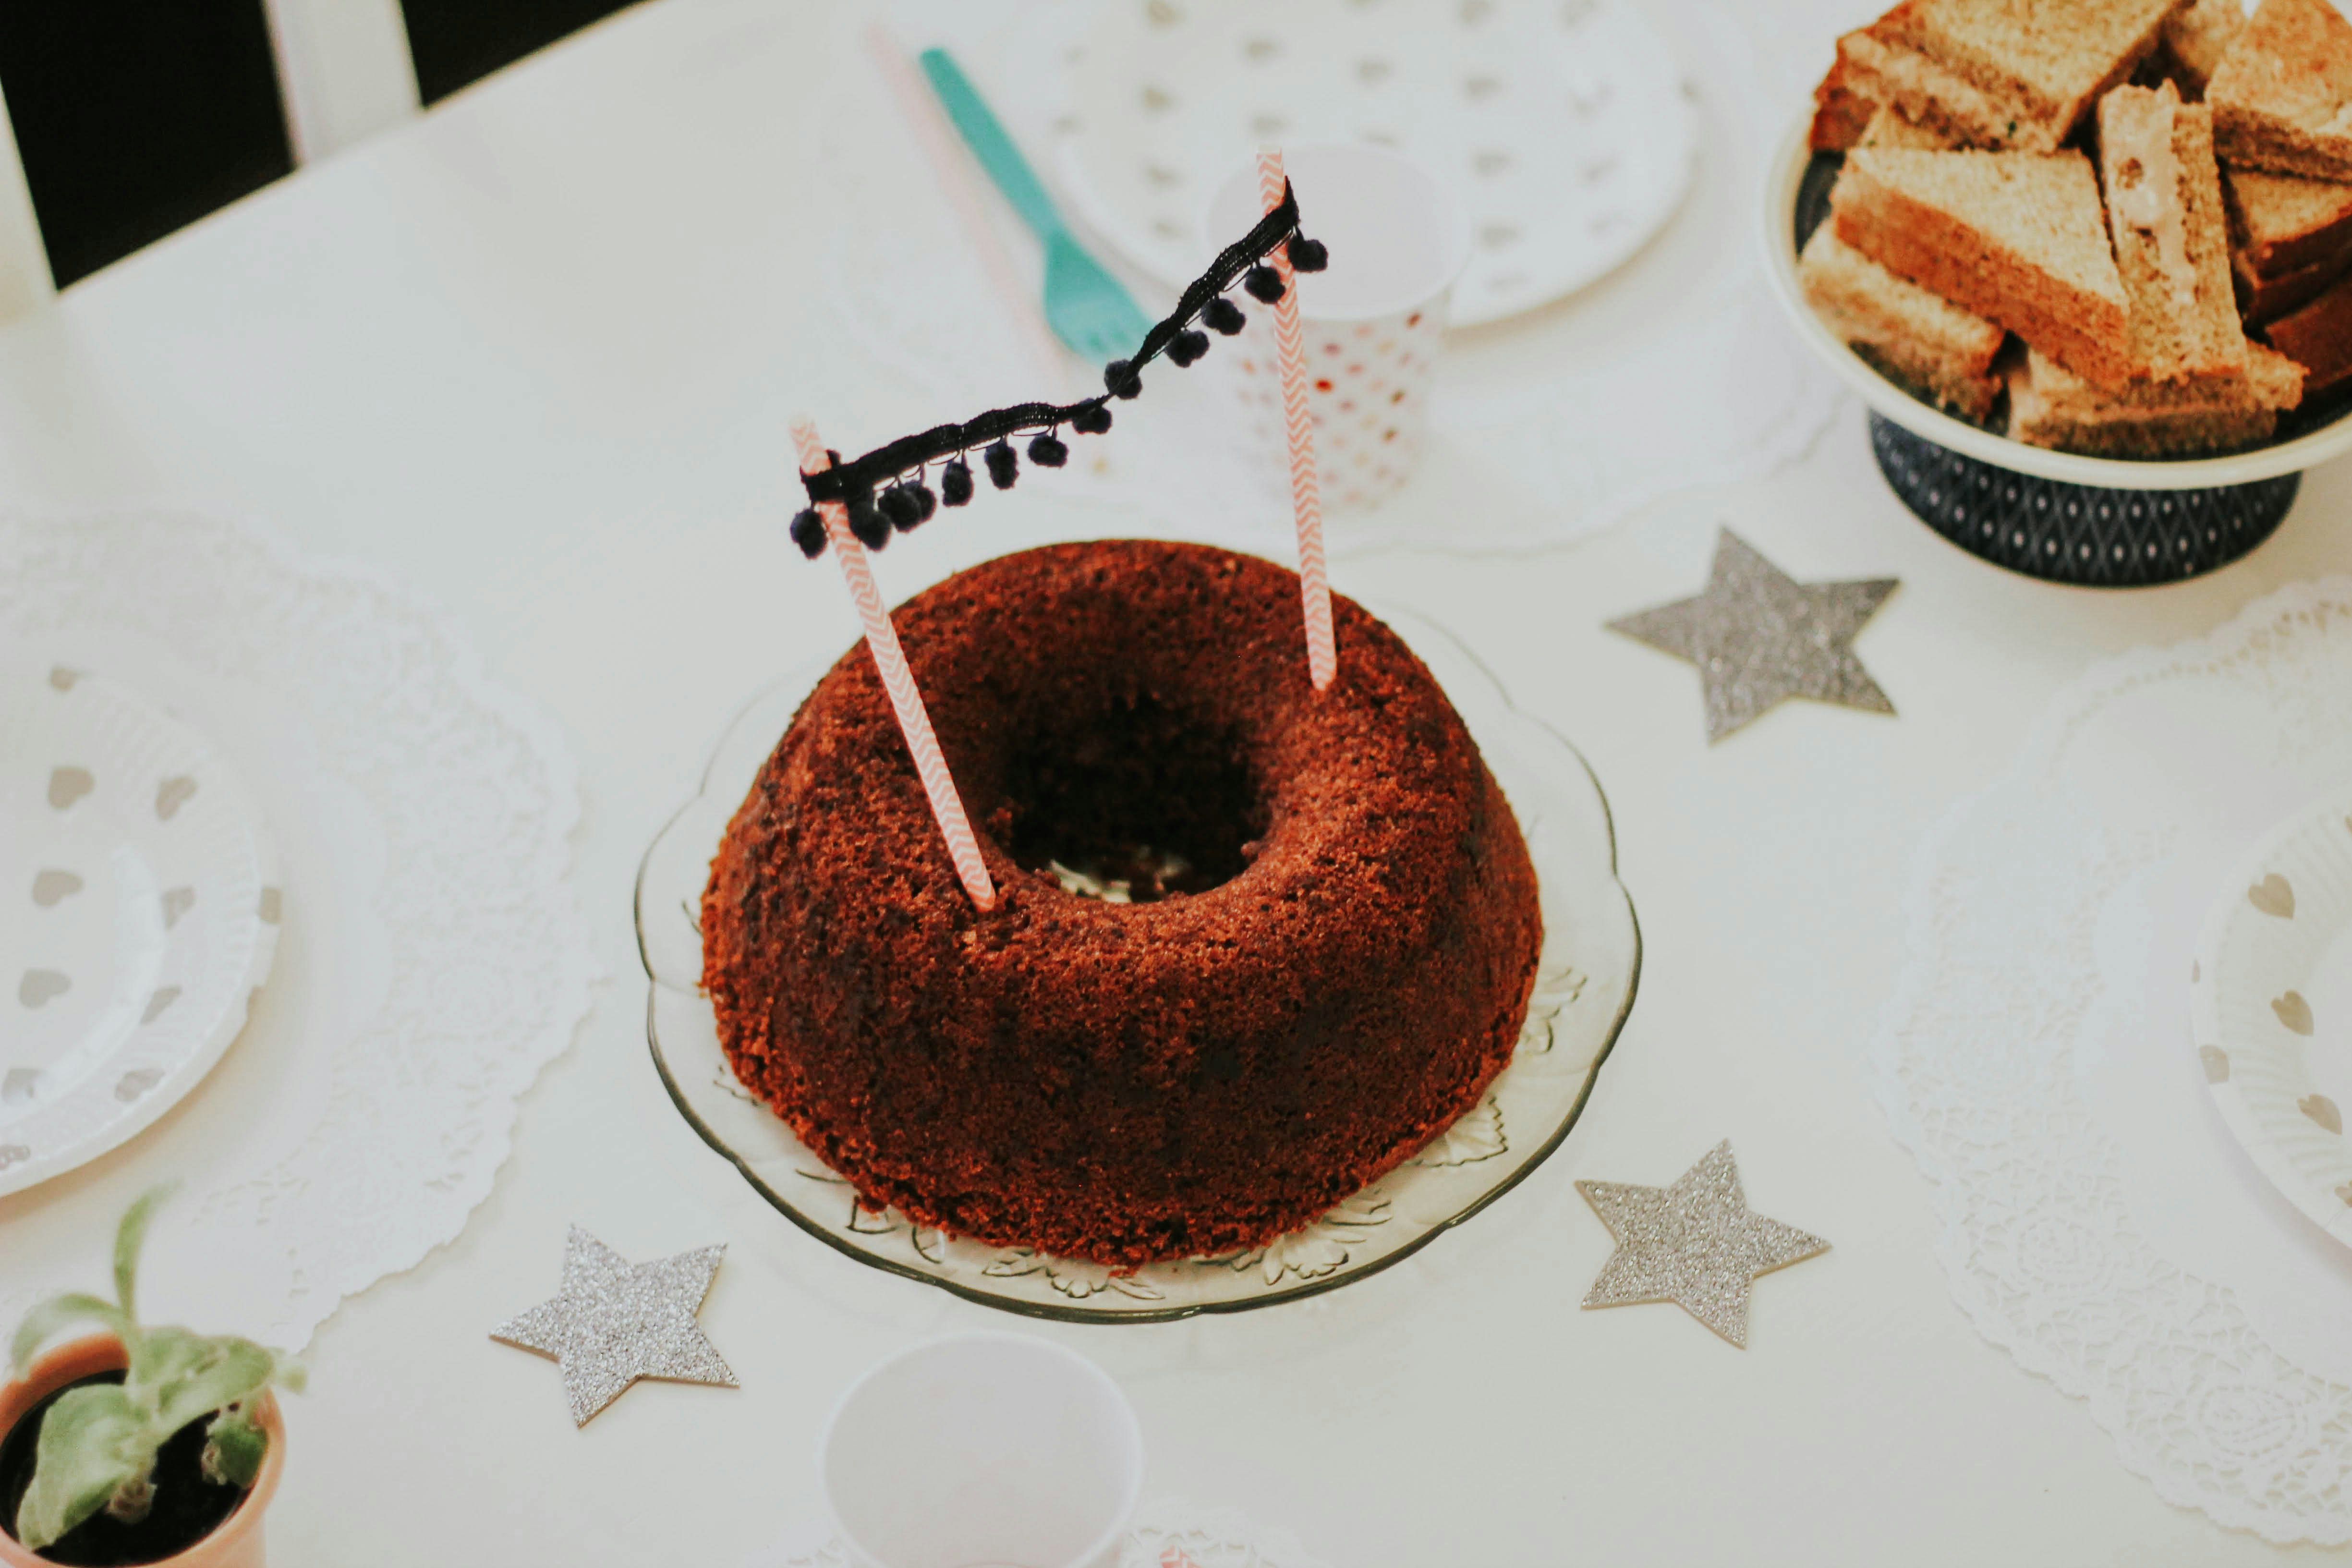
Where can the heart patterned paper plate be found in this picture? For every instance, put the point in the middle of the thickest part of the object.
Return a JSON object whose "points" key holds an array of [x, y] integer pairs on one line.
{"points": [[138, 915], [2271, 1002], [1585, 982], [1561, 125]]}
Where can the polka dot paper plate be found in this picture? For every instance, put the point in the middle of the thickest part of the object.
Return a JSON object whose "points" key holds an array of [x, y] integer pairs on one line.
{"points": [[1561, 124], [2271, 1002], [138, 915]]}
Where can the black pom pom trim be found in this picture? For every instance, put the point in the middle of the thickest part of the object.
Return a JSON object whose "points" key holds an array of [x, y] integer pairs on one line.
{"points": [[888, 489], [866, 521], [955, 482], [900, 507], [808, 533], [1309, 254]]}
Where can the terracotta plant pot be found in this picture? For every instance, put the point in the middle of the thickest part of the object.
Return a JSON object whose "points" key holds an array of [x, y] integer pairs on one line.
{"points": [[237, 1543]]}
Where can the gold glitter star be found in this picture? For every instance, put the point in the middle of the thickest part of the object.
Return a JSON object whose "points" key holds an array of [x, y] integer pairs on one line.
{"points": [[1696, 1244], [614, 1321], [1759, 638]]}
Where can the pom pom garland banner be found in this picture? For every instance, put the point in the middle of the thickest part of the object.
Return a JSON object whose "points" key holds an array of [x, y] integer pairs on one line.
{"points": [[1275, 236], [1305, 495], [890, 661]]}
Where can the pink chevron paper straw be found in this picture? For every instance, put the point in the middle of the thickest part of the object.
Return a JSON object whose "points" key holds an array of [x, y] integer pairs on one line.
{"points": [[890, 662], [1305, 495]]}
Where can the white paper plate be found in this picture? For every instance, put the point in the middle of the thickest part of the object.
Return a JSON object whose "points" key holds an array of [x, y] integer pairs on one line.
{"points": [[1561, 126], [2271, 1002], [138, 914], [1585, 982]]}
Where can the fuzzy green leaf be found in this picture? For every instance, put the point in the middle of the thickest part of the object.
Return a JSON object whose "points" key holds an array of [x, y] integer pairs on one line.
{"points": [[129, 1237], [234, 1447], [180, 1376], [44, 1320], [93, 1440], [292, 1374]]}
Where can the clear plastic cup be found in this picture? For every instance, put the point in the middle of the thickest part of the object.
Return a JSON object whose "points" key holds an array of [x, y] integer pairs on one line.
{"points": [[983, 1450], [1373, 321]]}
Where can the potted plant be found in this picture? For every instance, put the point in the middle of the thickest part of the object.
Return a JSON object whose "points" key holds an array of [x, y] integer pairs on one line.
{"points": [[137, 1445]]}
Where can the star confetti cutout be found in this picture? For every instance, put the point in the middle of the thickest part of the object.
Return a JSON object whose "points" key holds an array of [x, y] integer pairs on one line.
{"points": [[1696, 1244], [614, 1321], [1759, 638]]}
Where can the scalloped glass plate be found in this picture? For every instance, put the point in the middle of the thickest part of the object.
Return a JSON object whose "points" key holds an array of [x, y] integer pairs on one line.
{"points": [[138, 914], [2271, 1004], [1585, 983]]}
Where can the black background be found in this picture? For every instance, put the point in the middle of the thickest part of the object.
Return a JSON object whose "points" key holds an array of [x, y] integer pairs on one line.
{"points": [[458, 41], [133, 117]]}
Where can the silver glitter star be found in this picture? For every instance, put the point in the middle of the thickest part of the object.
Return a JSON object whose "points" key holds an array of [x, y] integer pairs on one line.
{"points": [[1759, 636], [614, 1321], [1696, 1244]]}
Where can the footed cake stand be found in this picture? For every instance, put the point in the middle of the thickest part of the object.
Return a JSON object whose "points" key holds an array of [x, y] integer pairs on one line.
{"points": [[1585, 981], [2063, 517]]}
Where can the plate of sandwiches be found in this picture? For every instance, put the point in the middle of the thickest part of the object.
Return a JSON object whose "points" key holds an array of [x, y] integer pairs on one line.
{"points": [[2101, 242]]}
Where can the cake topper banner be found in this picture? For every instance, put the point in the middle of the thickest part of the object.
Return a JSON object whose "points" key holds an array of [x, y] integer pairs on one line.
{"points": [[886, 489]]}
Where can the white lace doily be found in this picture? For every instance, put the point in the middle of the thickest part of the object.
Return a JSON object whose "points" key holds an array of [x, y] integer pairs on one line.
{"points": [[1674, 371], [2096, 1218], [1169, 1533], [433, 955]]}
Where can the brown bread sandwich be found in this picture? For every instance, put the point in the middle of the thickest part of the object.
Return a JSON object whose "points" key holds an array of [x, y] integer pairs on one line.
{"points": [[2016, 237], [2282, 96]]}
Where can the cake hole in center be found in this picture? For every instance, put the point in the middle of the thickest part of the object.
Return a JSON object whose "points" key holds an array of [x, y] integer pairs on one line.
{"points": [[1131, 805]]}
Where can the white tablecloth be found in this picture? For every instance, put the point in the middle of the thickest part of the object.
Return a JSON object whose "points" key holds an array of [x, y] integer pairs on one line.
{"points": [[535, 354]]}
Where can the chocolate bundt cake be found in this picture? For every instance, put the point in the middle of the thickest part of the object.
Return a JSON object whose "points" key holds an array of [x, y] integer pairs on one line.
{"points": [[1253, 946]]}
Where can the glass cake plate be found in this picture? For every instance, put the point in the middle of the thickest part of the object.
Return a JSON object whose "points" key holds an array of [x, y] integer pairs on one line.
{"points": [[1585, 981]]}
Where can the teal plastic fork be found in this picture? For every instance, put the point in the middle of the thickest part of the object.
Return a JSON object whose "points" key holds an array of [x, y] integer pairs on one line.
{"points": [[1086, 306]]}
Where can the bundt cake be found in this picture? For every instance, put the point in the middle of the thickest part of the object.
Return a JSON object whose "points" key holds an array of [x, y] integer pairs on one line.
{"points": [[1253, 944]]}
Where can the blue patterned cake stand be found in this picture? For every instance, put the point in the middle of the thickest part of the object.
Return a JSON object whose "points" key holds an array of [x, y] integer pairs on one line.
{"points": [[2083, 534]]}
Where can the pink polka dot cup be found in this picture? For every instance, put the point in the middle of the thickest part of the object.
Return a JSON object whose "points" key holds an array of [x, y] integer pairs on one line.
{"points": [[1374, 319]]}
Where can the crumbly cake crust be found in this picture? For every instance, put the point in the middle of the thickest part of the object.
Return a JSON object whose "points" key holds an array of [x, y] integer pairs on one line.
{"points": [[1188, 1077]]}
